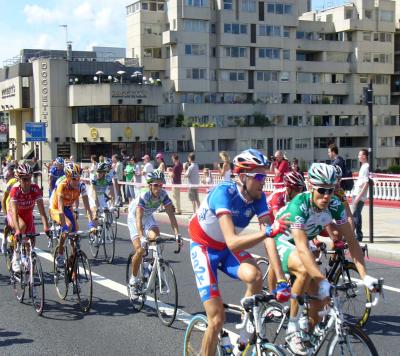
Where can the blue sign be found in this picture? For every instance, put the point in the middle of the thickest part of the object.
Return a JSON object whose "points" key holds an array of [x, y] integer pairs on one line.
{"points": [[35, 131]]}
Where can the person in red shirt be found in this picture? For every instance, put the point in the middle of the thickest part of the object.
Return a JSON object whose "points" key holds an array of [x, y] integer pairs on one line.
{"points": [[279, 167], [23, 197]]}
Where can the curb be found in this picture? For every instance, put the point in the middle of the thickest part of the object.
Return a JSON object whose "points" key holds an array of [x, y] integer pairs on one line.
{"points": [[376, 252]]}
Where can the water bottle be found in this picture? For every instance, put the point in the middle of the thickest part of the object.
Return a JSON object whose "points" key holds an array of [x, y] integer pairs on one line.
{"points": [[245, 333], [225, 343]]}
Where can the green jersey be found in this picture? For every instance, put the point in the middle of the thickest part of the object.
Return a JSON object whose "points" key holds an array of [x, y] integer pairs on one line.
{"points": [[129, 172], [305, 216]]}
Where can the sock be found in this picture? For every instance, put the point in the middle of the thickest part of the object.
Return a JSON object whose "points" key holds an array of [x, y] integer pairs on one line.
{"points": [[293, 325]]}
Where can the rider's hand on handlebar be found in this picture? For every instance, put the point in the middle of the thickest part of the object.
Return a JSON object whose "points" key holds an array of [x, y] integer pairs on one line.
{"points": [[279, 226], [47, 232], [370, 282], [179, 239], [282, 291]]}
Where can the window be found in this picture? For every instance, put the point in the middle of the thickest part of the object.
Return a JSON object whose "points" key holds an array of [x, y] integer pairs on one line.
{"points": [[302, 143], [386, 16], [385, 141], [152, 29], [284, 143], [155, 75], [145, 6], [196, 73], [213, 51], [205, 146], [267, 30], [368, 14], [323, 142], [236, 52], [184, 146], [348, 14], [267, 76], [381, 99], [390, 120], [153, 6], [195, 25], [257, 144], [367, 36], [249, 5], [236, 76], [197, 3], [284, 76], [286, 54], [195, 49], [235, 28], [152, 52], [279, 8], [228, 5], [286, 31], [226, 145], [213, 28], [269, 53]]}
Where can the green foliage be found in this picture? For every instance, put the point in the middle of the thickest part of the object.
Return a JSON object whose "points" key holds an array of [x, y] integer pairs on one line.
{"points": [[394, 169], [261, 120], [179, 120]]}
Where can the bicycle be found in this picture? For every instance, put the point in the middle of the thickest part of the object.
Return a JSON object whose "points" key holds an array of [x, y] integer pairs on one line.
{"points": [[31, 273], [339, 334], [76, 272], [155, 272], [253, 308], [54, 234], [104, 235], [341, 270]]}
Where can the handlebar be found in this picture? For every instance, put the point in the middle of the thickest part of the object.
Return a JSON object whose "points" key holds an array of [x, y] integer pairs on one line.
{"points": [[379, 292]]}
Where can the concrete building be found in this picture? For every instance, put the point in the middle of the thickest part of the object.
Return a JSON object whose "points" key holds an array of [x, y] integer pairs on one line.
{"points": [[269, 74], [88, 106]]}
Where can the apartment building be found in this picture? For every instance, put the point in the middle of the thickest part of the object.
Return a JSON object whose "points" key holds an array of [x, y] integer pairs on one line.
{"points": [[269, 74]]}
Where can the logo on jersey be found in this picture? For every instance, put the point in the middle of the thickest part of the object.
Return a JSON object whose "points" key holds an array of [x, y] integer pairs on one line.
{"points": [[299, 220], [202, 215], [248, 213], [303, 208], [334, 204], [231, 191]]}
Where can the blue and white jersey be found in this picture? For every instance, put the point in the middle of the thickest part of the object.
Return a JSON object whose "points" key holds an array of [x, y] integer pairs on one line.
{"points": [[101, 185], [146, 201], [54, 175], [225, 198]]}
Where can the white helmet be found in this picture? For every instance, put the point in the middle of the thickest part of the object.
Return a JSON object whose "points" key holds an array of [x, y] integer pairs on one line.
{"points": [[322, 174]]}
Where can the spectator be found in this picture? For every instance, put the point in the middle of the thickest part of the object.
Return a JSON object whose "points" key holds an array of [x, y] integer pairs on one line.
{"points": [[93, 167], [101, 159], [176, 176], [192, 173], [119, 176], [125, 157], [360, 192], [224, 167], [147, 167], [207, 178], [279, 167], [36, 170], [333, 154], [295, 167], [130, 178], [161, 163]]}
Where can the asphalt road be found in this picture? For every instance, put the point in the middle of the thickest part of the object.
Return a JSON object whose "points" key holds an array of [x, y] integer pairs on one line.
{"points": [[112, 328]]}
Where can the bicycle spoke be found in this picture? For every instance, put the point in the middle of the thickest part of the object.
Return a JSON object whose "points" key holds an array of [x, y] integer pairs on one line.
{"points": [[83, 281], [60, 275], [108, 244], [137, 301], [37, 286]]}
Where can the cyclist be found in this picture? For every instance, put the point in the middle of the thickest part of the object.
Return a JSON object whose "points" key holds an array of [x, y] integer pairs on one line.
{"points": [[216, 242], [309, 213], [23, 197], [62, 200], [6, 196], [100, 185], [55, 172], [141, 222]]}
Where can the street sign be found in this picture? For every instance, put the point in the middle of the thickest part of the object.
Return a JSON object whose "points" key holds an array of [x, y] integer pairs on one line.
{"points": [[35, 131]]}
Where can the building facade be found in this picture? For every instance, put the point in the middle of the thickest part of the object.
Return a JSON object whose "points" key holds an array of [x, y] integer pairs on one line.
{"points": [[269, 74]]}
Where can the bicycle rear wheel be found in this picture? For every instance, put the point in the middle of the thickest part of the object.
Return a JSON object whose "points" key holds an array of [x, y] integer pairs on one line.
{"points": [[94, 243], [354, 343], [83, 281], [108, 239], [166, 294], [37, 285], [137, 301], [194, 336], [353, 300], [60, 275]]}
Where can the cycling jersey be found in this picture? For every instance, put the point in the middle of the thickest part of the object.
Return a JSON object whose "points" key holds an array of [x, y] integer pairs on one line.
{"points": [[68, 193], [225, 198], [54, 175], [277, 200], [100, 186], [25, 202], [9, 185], [81, 185]]}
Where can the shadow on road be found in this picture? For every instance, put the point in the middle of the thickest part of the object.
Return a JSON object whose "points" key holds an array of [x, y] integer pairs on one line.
{"points": [[387, 325], [10, 338]]}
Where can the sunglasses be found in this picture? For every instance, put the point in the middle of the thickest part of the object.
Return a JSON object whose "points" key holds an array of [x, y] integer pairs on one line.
{"points": [[324, 191], [75, 179], [26, 179], [157, 185], [259, 177]]}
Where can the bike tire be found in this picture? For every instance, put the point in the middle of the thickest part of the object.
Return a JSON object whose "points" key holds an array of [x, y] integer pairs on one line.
{"points": [[115, 225], [356, 342], [83, 281], [94, 243], [137, 302], [18, 284], [354, 309], [166, 309], [60, 275], [108, 244], [267, 349], [263, 264], [37, 285], [194, 336]]}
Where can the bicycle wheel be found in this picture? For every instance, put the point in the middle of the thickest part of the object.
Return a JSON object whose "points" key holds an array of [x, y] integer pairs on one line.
{"points": [[18, 283], [353, 301], [266, 348], [137, 301], [194, 336], [60, 275], [37, 285], [94, 242], [354, 342], [274, 323], [114, 223], [83, 281], [108, 243], [166, 294], [263, 264]]}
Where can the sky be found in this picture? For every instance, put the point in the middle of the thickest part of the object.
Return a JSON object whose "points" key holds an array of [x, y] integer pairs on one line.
{"points": [[36, 24]]}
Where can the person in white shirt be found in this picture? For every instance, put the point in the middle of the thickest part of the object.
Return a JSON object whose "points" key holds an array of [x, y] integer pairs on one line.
{"points": [[360, 192], [147, 166], [193, 176]]}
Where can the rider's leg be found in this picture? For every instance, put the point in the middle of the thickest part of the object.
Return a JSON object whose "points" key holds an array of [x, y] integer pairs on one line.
{"points": [[137, 257], [216, 317], [315, 305], [249, 273]]}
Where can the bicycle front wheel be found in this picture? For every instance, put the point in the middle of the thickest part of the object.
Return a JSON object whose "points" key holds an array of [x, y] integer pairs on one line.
{"points": [[266, 349], [354, 342], [83, 281], [37, 285], [194, 336], [353, 300], [94, 240], [60, 275], [137, 300], [166, 294], [18, 283], [108, 239]]}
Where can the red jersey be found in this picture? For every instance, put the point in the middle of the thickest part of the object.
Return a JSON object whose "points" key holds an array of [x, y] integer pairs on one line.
{"points": [[25, 202], [276, 200]]}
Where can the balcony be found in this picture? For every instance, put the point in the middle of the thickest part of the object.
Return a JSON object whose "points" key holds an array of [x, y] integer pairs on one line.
{"points": [[170, 37], [323, 67]]}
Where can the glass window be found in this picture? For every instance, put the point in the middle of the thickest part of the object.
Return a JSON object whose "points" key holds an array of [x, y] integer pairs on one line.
{"points": [[386, 16], [145, 6], [286, 31], [123, 113], [228, 5], [367, 36], [286, 54], [288, 9], [153, 6], [271, 8], [279, 9]]}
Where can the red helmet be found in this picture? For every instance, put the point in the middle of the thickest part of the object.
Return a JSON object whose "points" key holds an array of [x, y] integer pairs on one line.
{"points": [[23, 170], [294, 179]]}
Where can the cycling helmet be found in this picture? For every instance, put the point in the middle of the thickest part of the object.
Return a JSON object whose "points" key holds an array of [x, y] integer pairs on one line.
{"points": [[339, 172], [155, 176], [248, 160], [72, 170], [59, 160], [102, 167], [24, 169], [322, 174], [294, 179]]}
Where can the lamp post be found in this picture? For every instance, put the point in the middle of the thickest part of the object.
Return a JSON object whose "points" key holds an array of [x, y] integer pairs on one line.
{"points": [[97, 78], [121, 73]]}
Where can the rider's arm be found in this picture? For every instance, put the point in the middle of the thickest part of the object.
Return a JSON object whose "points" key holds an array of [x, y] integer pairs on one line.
{"points": [[354, 247], [85, 200], [14, 215], [43, 215], [3, 201], [61, 209], [139, 221], [169, 209], [306, 256], [94, 195]]}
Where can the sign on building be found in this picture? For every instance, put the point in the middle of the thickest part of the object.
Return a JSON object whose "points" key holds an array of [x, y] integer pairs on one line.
{"points": [[35, 131]]}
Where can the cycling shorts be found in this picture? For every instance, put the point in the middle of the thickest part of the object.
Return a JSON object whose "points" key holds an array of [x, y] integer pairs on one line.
{"points": [[206, 261], [148, 224], [69, 215], [27, 219]]}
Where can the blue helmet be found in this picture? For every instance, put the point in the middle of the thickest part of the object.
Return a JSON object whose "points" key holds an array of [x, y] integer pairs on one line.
{"points": [[59, 160], [248, 160]]}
